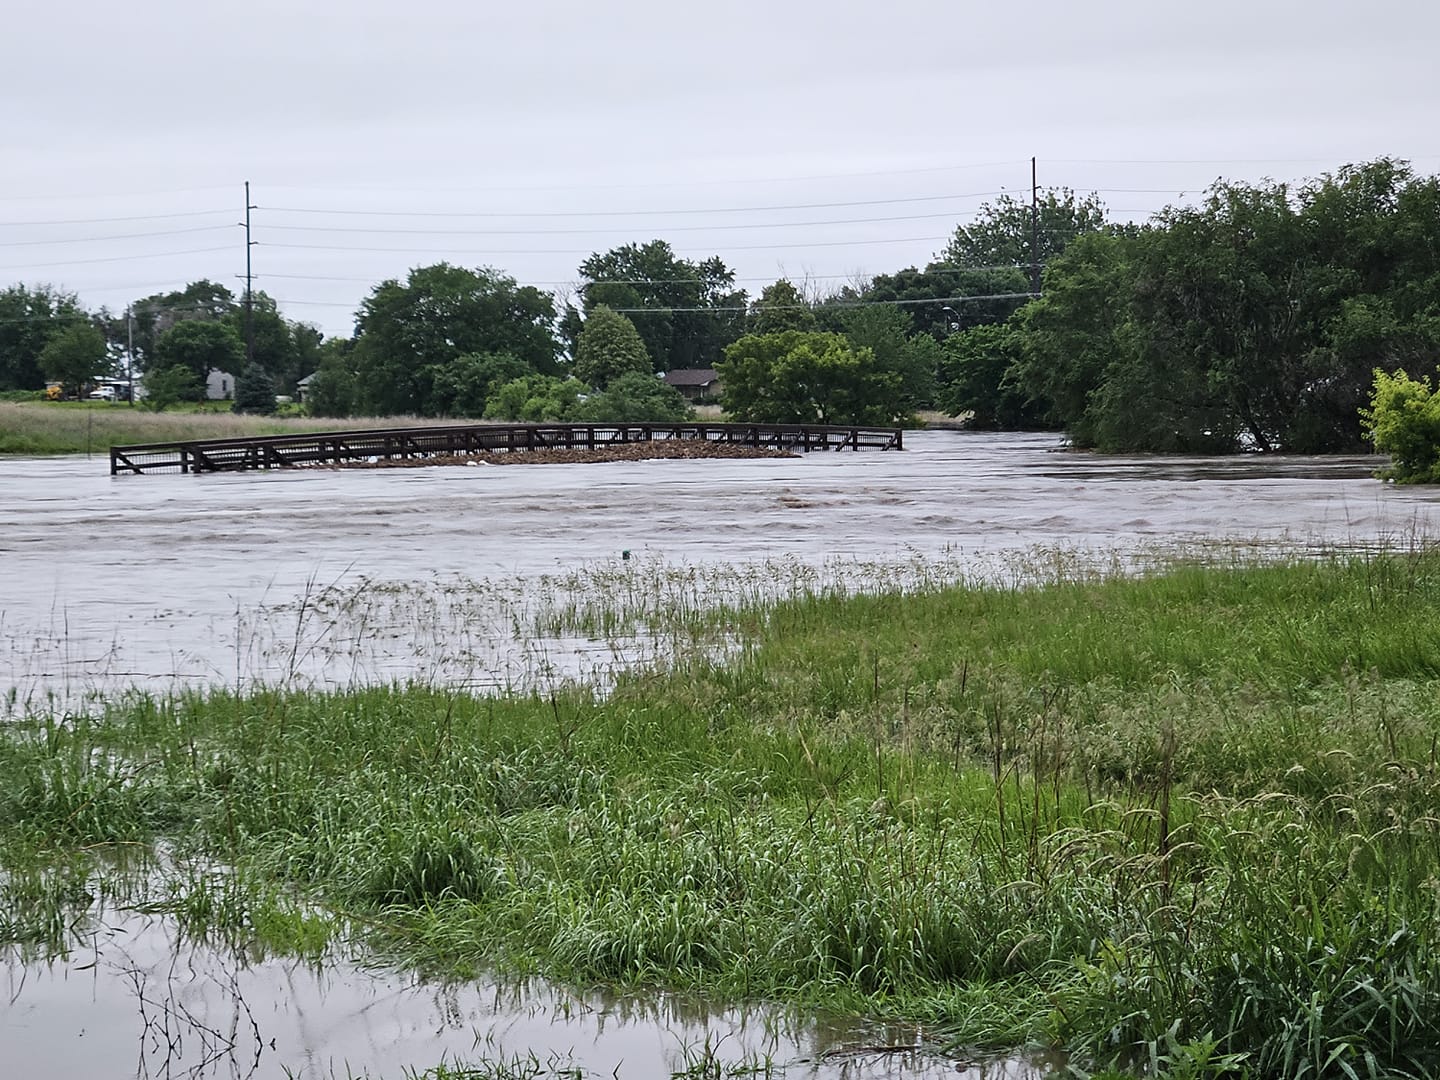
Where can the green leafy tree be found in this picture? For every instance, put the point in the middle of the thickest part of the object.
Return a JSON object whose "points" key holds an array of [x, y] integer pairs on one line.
{"points": [[1403, 420], [167, 386], [799, 377], [608, 347], [888, 332], [74, 356], [635, 397], [1002, 233], [439, 314], [254, 391], [1067, 341], [463, 387], [29, 318], [331, 391], [978, 380], [152, 316], [781, 307], [691, 310], [535, 398], [199, 346], [284, 349]]}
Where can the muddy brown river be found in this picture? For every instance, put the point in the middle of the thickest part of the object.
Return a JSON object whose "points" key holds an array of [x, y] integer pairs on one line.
{"points": [[151, 581], [446, 574]]}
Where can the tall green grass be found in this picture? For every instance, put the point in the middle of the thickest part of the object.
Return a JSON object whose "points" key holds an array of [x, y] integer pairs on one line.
{"points": [[59, 428], [1185, 823]]}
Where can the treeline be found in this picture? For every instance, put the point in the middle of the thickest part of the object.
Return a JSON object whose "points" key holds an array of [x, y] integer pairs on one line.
{"points": [[1253, 320], [173, 339], [462, 342]]}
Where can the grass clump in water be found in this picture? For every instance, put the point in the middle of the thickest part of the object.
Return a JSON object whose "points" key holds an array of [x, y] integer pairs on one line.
{"points": [[1186, 822]]}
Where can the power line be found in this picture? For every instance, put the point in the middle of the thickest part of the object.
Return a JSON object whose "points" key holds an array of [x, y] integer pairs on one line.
{"points": [[109, 220], [769, 307], [587, 251], [630, 186], [115, 258], [628, 213], [606, 231], [836, 304], [119, 236]]}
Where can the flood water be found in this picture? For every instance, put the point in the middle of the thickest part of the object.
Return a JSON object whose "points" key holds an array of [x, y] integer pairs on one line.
{"points": [[155, 580], [151, 582], [137, 1000]]}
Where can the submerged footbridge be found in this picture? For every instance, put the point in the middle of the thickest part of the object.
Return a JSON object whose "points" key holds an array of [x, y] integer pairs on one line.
{"points": [[457, 440]]}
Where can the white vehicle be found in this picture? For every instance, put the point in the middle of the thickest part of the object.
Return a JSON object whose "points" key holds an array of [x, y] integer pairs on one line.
{"points": [[105, 393]]}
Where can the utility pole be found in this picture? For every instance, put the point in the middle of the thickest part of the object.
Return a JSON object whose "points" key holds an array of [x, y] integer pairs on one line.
{"points": [[1034, 227], [130, 352], [249, 304]]}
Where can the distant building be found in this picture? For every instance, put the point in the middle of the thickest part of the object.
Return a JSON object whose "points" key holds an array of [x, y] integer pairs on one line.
{"points": [[694, 384], [302, 386], [219, 385]]}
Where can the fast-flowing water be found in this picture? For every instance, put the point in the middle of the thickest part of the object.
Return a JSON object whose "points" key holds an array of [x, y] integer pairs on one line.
{"points": [[152, 580]]}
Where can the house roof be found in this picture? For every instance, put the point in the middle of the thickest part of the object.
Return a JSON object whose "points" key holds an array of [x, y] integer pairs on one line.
{"points": [[700, 376]]}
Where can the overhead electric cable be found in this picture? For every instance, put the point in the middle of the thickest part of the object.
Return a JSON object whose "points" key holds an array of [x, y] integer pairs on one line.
{"points": [[587, 251], [118, 236], [626, 213], [108, 220], [605, 231], [116, 258]]}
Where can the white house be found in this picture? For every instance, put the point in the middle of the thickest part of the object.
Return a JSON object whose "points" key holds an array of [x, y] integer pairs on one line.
{"points": [[219, 385]]}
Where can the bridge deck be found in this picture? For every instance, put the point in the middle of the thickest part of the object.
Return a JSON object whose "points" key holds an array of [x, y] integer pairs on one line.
{"points": [[335, 447]]}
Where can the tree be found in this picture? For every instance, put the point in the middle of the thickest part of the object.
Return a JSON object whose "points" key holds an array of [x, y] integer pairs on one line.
{"points": [[254, 391], [799, 377], [1403, 420], [887, 331], [153, 315], [691, 309], [1067, 341], [609, 347], [200, 347], [978, 379], [780, 307], [75, 355], [166, 386], [463, 387], [29, 317], [535, 398], [633, 398], [331, 392], [437, 315], [1002, 234]]}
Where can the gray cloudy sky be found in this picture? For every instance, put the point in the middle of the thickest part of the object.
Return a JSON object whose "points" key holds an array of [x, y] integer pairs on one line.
{"points": [[525, 136]]}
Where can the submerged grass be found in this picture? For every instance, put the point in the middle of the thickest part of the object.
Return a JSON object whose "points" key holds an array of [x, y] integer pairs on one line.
{"points": [[1187, 823]]}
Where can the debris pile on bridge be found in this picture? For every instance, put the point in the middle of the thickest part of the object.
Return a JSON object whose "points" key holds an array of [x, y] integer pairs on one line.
{"points": [[669, 449]]}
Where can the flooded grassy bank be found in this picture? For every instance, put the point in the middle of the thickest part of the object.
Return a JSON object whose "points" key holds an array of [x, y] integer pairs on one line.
{"points": [[1185, 822]]}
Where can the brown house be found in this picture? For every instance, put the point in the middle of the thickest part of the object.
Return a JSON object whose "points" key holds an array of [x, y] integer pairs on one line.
{"points": [[694, 384]]}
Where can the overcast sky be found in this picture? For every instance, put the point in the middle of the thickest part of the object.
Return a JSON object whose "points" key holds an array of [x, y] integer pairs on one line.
{"points": [[525, 136]]}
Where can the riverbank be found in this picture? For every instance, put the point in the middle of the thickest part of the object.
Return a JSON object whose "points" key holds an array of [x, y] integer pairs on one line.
{"points": [[1187, 819], [70, 428]]}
